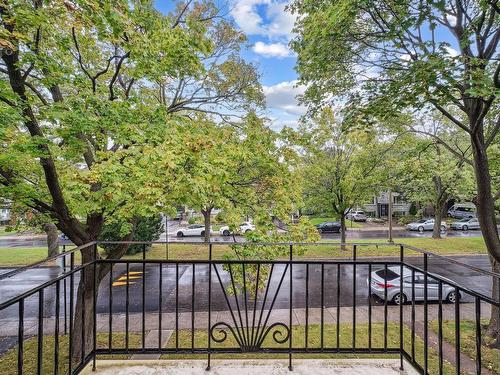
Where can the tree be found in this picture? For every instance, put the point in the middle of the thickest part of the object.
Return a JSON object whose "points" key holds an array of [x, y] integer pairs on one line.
{"points": [[228, 87], [419, 55], [430, 174], [83, 135], [147, 229], [239, 170], [340, 165]]}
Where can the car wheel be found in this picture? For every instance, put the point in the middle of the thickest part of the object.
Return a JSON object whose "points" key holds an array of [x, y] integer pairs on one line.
{"points": [[248, 230], [202, 234], [180, 234], [226, 233], [320, 231], [399, 299], [465, 227], [452, 296], [443, 228], [420, 229]]}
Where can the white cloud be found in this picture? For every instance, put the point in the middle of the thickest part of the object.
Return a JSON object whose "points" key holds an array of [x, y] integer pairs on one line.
{"points": [[283, 96], [451, 51], [451, 19], [271, 50], [277, 24]]}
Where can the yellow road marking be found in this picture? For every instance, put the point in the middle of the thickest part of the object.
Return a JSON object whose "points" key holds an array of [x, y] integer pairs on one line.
{"points": [[124, 278], [121, 283], [135, 273]]}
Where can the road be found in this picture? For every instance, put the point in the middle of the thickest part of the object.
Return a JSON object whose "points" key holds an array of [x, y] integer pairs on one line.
{"points": [[378, 233], [30, 279]]}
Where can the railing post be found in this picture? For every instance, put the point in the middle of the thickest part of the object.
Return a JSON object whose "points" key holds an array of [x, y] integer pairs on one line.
{"points": [[426, 333], [291, 312], [64, 291], [401, 300], [210, 304], [354, 256], [94, 315]]}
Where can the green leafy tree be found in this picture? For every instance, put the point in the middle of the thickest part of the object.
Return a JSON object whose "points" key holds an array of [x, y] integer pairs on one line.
{"points": [[239, 170], [147, 229], [84, 138], [385, 57], [341, 166], [432, 175]]}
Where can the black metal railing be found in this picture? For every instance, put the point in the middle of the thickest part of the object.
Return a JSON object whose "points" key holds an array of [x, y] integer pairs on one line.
{"points": [[265, 307]]}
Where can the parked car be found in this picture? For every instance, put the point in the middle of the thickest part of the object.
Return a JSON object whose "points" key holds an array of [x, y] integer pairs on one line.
{"points": [[380, 282], [459, 211], [329, 227], [356, 216], [465, 224], [244, 228], [192, 230], [425, 224]]}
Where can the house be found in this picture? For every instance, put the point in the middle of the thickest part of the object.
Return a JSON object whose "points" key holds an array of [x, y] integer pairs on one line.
{"points": [[380, 205], [4, 212]]}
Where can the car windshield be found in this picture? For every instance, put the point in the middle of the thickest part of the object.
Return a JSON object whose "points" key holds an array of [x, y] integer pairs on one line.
{"points": [[421, 221], [360, 213], [464, 220]]}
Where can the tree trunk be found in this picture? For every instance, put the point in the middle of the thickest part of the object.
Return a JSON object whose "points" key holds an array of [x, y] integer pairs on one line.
{"points": [[438, 216], [485, 206], [206, 216], [84, 322], [52, 239], [342, 231], [493, 329]]}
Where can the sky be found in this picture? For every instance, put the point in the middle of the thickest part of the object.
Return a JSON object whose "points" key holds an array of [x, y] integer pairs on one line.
{"points": [[269, 30]]}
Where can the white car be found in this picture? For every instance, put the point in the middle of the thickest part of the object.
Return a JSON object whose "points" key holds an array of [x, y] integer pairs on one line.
{"points": [[244, 228], [465, 224], [425, 224], [192, 230], [356, 216]]}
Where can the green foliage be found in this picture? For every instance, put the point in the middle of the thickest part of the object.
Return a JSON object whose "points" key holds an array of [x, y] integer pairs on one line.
{"points": [[146, 229], [191, 220], [98, 106], [341, 167], [253, 277]]}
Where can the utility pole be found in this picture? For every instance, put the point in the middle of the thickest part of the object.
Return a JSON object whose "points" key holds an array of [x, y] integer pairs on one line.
{"points": [[390, 216]]}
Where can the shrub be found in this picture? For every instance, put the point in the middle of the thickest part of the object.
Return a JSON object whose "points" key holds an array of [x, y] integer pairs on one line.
{"points": [[406, 219], [147, 229], [192, 220]]}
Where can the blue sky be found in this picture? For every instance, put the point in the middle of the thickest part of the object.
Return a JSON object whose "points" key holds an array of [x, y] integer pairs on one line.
{"points": [[269, 29]]}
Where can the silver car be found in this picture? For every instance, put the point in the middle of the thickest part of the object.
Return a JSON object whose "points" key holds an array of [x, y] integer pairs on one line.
{"points": [[356, 216], [380, 282], [465, 224], [425, 224]]}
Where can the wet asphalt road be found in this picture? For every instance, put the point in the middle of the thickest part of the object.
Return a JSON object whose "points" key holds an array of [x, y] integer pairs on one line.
{"points": [[30, 279]]}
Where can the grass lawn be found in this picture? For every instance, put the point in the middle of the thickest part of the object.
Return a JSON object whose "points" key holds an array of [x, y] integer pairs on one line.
{"points": [[348, 223], [18, 256], [448, 246], [8, 362], [490, 357]]}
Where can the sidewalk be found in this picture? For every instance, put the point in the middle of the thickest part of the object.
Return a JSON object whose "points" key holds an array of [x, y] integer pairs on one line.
{"points": [[8, 327]]}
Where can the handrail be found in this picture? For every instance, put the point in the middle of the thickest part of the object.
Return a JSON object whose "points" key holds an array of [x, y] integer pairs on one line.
{"points": [[46, 284], [451, 260], [46, 260]]}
